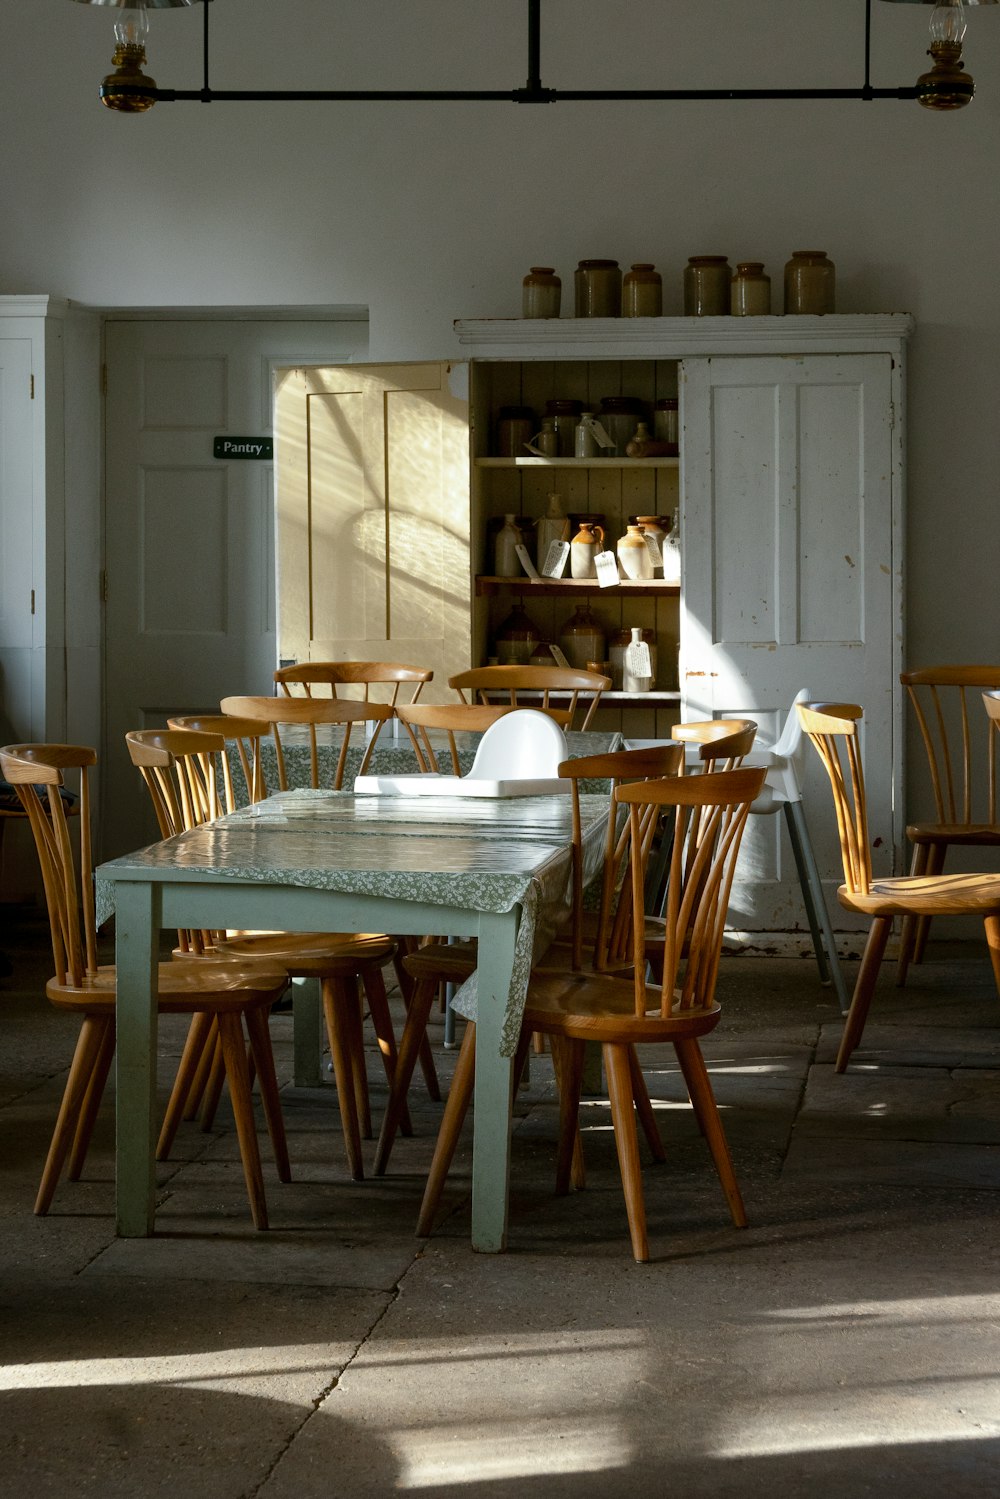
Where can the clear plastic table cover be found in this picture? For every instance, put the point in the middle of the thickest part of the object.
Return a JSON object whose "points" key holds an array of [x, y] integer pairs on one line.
{"points": [[482, 856]]}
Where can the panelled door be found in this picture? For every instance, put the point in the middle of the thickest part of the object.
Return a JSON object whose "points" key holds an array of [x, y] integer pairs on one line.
{"points": [[190, 564], [373, 516], [791, 580]]}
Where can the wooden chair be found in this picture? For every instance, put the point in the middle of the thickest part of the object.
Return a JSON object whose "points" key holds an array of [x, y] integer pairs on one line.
{"points": [[833, 730], [624, 1011], [456, 718], [242, 738], [334, 674], [172, 763], [439, 962], [485, 684], [282, 712], [721, 742], [220, 993], [960, 757]]}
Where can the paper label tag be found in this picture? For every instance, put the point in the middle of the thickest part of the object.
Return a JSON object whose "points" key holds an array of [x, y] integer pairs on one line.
{"points": [[555, 559], [600, 434], [558, 656], [526, 562], [653, 548], [638, 662], [607, 569]]}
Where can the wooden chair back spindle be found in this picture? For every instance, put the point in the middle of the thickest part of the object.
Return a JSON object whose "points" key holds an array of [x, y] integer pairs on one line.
{"points": [[486, 684]]}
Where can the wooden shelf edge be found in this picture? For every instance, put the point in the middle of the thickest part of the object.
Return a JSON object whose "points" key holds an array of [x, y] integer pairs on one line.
{"points": [[673, 461], [651, 588]]}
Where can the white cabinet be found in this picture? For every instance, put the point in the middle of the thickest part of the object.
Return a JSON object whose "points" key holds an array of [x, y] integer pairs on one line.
{"points": [[791, 497]]}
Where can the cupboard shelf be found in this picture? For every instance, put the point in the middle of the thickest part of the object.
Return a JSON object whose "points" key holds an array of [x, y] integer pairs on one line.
{"points": [[487, 587], [605, 463]]}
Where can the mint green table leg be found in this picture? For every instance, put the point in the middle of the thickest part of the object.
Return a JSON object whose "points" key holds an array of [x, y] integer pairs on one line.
{"points": [[494, 1086], [137, 951]]}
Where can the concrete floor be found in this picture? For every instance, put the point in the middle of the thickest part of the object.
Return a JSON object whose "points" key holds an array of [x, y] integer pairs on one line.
{"points": [[848, 1343]]}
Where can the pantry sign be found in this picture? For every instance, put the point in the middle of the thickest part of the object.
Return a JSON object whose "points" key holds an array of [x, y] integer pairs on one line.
{"points": [[250, 449]]}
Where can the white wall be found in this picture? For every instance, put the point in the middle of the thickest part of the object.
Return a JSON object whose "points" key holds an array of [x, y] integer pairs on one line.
{"points": [[428, 212]]}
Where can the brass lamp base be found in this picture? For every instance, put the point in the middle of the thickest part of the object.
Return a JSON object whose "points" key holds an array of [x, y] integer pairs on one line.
{"points": [[947, 85], [117, 89]]}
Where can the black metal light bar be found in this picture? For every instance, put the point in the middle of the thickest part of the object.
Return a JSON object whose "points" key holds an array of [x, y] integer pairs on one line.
{"points": [[533, 92]]}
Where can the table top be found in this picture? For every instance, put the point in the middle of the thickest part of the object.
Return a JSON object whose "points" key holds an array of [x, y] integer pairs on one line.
{"points": [[481, 856]]}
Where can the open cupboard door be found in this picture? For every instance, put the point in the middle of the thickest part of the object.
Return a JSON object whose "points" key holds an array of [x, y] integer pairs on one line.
{"points": [[373, 516]]}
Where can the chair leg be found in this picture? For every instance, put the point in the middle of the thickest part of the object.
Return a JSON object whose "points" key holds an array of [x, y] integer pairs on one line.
{"points": [[339, 998], [85, 1056], [567, 1060], [91, 1104], [817, 911], [353, 1018], [238, 1076], [378, 1009], [908, 929], [202, 1037], [213, 1087], [644, 1107], [935, 866], [992, 924], [421, 1000], [619, 1079], [407, 988], [200, 1081], [267, 1081], [864, 989], [707, 1110], [455, 1110]]}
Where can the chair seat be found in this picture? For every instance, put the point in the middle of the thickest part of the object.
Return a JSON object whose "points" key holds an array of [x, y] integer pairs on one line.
{"points": [[937, 895], [601, 1007], [971, 833], [311, 954], [184, 987], [443, 962]]}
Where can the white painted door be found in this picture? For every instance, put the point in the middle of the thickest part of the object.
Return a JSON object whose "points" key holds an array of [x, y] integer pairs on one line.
{"points": [[17, 563], [373, 516], [790, 561], [190, 562]]}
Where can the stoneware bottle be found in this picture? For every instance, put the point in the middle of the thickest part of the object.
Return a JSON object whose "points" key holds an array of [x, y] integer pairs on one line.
{"points": [[750, 294], [553, 526], [598, 287], [581, 639], [706, 286], [633, 555], [584, 547], [506, 563]]}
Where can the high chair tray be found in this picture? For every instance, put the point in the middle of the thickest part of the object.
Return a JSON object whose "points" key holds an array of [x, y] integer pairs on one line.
{"points": [[441, 785]]}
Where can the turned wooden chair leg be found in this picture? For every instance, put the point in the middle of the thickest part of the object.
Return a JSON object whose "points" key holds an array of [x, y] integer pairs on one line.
{"points": [[935, 866], [992, 924], [455, 1110], [619, 1079], [707, 1110], [908, 930], [644, 1107], [213, 1087], [864, 988], [234, 1054], [378, 1009], [199, 1083], [267, 1081], [352, 1019], [85, 1056], [421, 1000], [336, 1006], [201, 1040], [407, 987], [567, 1060], [91, 1104]]}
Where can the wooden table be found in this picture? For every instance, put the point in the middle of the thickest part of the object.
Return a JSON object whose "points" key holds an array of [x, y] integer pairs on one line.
{"points": [[328, 861]]}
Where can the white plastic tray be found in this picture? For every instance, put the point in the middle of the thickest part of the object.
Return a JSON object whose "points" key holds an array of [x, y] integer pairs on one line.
{"points": [[439, 785]]}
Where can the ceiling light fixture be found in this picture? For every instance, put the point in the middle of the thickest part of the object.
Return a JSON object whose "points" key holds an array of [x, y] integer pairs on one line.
{"points": [[945, 86]]}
